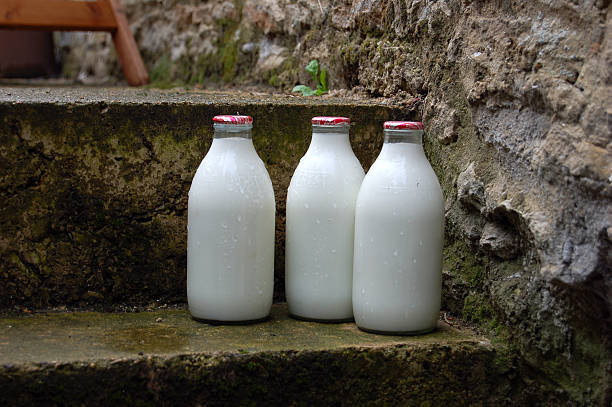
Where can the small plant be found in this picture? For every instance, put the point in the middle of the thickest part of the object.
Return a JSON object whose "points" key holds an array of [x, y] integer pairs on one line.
{"points": [[319, 75]]}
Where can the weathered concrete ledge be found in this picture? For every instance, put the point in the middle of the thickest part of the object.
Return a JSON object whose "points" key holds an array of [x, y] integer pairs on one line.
{"points": [[94, 184], [165, 357]]}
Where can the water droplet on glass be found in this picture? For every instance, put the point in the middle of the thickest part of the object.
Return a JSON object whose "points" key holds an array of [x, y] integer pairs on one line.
{"points": [[394, 213], [224, 226], [363, 291], [421, 243], [229, 267], [239, 218], [335, 205], [395, 253], [198, 243], [333, 250], [402, 233], [306, 206], [318, 221], [372, 239], [414, 260]]}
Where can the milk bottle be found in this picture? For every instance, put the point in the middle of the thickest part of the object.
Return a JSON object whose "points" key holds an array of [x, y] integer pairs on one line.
{"points": [[399, 226], [230, 238], [320, 224]]}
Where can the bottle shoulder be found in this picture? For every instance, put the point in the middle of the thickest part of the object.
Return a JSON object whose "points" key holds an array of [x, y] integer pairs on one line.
{"points": [[329, 162], [336, 178], [228, 175], [402, 174]]}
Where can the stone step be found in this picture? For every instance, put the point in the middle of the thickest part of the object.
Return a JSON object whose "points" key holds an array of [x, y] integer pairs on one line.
{"points": [[94, 183], [164, 357]]}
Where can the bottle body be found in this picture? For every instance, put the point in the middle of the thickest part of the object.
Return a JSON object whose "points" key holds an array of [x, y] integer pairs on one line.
{"points": [[320, 226], [230, 243], [399, 225]]}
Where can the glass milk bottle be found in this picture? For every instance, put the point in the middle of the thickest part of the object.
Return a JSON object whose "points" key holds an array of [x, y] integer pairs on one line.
{"points": [[320, 224], [230, 238], [399, 227]]}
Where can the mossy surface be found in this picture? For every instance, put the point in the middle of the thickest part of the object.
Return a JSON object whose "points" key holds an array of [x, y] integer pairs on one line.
{"points": [[90, 336], [96, 193], [164, 357], [96, 200]]}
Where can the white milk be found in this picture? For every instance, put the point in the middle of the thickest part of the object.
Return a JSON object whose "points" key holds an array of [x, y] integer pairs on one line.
{"points": [[230, 243], [399, 226], [320, 224]]}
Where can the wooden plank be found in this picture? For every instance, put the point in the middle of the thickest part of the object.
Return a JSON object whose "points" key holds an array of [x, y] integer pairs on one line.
{"points": [[127, 50], [62, 15]]}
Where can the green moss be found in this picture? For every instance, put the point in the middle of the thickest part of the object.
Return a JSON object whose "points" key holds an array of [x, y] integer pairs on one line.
{"points": [[225, 63], [229, 58], [476, 309], [462, 262], [285, 76], [115, 194], [161, 74]]}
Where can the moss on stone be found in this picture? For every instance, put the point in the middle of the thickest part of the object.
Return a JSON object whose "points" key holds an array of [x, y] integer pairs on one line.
{"points": [[111, 180], [161, 74], [279, 362]]}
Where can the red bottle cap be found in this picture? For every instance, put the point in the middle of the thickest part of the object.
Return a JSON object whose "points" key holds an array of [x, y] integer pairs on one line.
{"points": [[404, 126], [233, 119], [331, 121]]}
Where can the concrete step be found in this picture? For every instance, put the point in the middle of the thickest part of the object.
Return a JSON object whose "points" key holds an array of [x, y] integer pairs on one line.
{"points": [[163, 357], [94, 182]]}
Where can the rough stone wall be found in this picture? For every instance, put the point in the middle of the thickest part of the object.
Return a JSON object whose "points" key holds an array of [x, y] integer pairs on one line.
{"points": [[517, 101]]}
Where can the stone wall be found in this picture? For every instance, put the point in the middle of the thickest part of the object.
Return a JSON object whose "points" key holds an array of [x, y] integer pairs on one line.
{"points": [[516, 100]]}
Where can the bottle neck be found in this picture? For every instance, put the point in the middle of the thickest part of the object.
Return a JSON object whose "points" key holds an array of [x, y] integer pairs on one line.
{"points": [[223, 131], [403, 136], [330, 137], [402, 145]]}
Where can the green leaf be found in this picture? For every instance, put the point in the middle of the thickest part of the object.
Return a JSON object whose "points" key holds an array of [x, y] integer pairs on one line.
{"points": [[309, 92], [306, 91], [323, 80], [319, 75], [313, 69]]}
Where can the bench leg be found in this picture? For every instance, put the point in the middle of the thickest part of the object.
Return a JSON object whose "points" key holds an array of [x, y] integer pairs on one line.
{"points": [[127, 50]]}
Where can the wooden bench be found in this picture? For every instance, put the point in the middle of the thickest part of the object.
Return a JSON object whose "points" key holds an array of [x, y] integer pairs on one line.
{"points": [[79, 15]]}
